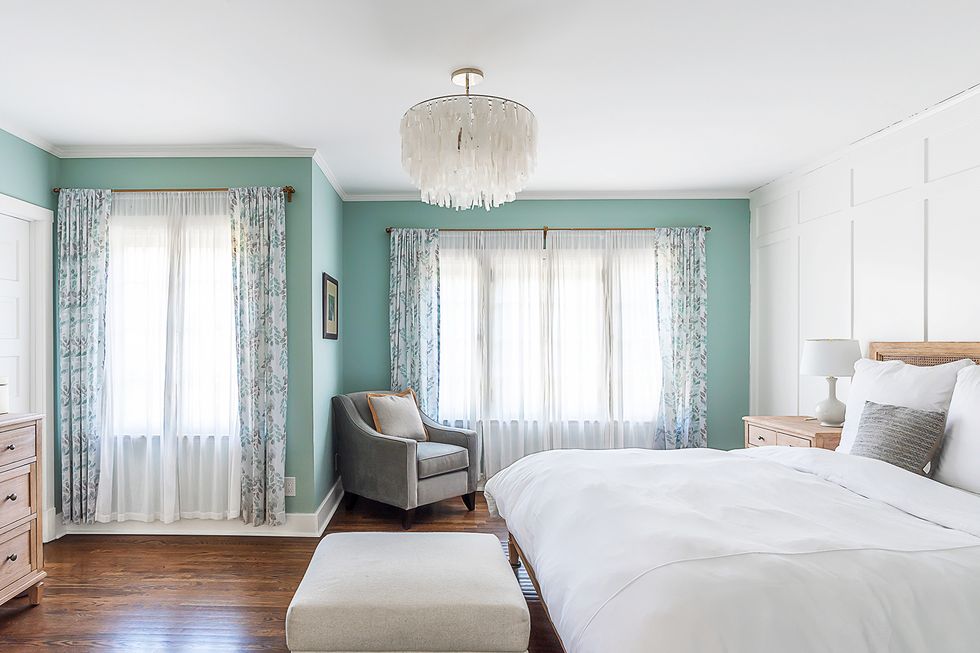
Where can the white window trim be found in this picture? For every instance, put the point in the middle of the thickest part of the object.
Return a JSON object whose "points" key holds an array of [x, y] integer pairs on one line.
{"points": [[42, 341]]}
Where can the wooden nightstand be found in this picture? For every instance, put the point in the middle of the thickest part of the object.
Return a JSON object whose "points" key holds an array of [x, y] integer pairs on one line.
{"points": [[791, 431]]}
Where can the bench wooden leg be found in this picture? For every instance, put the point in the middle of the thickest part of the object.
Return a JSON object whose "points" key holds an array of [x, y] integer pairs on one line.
{"points": [[515, 559], [35, 594]]}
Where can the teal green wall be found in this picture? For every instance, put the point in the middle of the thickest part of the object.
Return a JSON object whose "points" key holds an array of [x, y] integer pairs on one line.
{"points": [[221, 172], [27, 172], [327, 257], [364, 309], [348, 242]]}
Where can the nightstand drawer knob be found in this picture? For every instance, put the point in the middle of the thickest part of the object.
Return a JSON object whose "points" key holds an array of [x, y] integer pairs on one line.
{"points": [[11, 497], [12, 557], [11, 447], [760, 437]]}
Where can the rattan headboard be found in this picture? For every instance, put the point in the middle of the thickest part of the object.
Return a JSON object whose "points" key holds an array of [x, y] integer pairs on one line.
{"points": [[924, 353]]}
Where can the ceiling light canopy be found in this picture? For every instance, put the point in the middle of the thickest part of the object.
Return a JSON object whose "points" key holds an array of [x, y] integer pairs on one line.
{"points": [[463, 151]]}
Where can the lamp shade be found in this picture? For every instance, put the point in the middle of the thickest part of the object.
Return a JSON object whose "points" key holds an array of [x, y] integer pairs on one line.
{"points": [[829, 357]]}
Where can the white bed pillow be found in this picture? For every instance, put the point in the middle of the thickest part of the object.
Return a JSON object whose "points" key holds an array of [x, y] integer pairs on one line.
{"points": [[897, 384], [959, 459]]}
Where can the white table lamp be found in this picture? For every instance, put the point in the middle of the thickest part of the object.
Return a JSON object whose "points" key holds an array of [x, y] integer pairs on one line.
{"points": [[831, 359]]}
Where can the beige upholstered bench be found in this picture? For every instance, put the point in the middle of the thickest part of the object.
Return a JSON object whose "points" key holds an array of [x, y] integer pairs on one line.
{"points": [[418, 592]]}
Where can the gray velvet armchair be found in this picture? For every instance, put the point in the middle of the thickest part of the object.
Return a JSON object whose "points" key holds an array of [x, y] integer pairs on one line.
{"points": [[400, 471]]}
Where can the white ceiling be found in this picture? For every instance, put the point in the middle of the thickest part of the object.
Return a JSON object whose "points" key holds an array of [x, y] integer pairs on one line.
{"points": [[664, 96]]}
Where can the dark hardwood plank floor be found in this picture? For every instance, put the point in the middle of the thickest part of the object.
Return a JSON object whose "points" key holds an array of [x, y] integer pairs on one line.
{"points": [[189, 593]]}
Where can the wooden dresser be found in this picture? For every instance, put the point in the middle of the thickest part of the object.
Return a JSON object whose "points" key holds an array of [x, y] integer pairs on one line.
{"points": [[791, 431], [21, 561]]}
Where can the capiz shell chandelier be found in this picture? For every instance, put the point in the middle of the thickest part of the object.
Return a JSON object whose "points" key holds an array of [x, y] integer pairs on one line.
{"points": [[468, 150]]}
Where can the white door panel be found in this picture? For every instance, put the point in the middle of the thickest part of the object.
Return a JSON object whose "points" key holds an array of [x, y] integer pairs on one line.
{"points": [[15, 310]]}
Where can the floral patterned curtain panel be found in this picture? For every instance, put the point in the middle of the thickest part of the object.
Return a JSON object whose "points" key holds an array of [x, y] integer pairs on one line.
{"points": [[682, 317], [82, 229], [258, 224], [414, 315]]}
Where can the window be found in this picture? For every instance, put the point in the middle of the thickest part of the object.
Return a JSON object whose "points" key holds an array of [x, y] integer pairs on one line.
{"points": [[171, 445], [547, 348]]}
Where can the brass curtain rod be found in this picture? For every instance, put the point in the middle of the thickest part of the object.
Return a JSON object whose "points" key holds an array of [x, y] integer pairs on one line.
{"points": [[289, 190], [547, 229]]}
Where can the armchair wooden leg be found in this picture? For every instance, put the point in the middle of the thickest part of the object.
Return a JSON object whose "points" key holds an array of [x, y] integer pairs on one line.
{"points": [[351, 500], [470, 501], [407, 518]]}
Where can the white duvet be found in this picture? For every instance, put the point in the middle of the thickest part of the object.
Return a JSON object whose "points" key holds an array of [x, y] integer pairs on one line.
{"points": [[768, 549]]}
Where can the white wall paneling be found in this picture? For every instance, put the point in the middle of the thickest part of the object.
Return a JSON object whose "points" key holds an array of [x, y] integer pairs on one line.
{"points": [[825, 191], [776, 335], [888, 270], [825, 292], [887, 170], [778, 214], [880, 243], [953, 253]]}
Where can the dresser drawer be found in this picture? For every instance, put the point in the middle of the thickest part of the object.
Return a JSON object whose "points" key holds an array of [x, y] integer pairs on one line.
{"points": [[16, 498], [15, 553], [760, 437], [786, 440], [17, 444]]}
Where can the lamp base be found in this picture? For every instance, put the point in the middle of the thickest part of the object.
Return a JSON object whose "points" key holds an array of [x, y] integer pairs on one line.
{"points": [[830, 411]]}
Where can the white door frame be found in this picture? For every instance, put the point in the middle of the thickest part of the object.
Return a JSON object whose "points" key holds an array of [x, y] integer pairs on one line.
{"points": [[42, 340]]}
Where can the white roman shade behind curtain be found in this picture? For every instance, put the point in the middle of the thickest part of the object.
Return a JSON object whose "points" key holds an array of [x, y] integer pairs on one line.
{"points": [[170, 448]]}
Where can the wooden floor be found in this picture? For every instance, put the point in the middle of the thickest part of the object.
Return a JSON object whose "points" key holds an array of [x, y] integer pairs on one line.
{"points": [[188, 593]]}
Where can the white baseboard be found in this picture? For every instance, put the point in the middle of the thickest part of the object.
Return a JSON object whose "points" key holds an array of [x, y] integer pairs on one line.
{"points": [[49, 525], [325, 512], [298, 524]]}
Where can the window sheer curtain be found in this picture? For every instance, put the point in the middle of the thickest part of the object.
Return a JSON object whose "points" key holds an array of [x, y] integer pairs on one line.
{"points": [[170, 447], [550, 348]]}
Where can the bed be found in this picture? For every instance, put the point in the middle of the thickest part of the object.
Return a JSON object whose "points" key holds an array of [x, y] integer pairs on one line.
{"points": [[765, 549]]}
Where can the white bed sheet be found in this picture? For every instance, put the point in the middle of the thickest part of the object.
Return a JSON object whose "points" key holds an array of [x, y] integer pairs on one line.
{"points": [[767, 549]]}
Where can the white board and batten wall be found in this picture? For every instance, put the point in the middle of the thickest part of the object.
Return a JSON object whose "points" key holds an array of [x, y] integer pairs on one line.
{"points": [[880, 242]]}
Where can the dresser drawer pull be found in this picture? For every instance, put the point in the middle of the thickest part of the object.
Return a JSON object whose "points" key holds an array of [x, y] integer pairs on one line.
{"points": [[760, 437], [12, 557], [11, 446], [11, 497]]}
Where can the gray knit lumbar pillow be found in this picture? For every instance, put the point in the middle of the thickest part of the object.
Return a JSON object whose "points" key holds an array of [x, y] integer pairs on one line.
{"points": [[905, 437]]}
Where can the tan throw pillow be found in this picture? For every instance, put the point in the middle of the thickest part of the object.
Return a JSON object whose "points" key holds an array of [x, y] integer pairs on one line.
{"points": [[397, 414]]}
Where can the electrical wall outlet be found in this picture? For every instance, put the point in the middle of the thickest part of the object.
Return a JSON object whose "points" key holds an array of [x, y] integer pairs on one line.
{"points": [[290, 486]]}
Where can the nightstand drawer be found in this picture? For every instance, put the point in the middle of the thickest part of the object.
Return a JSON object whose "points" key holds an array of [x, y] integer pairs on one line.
{"points": [[15, 554], [17, 444], [15, 495], [760, 437], [784, 440]]}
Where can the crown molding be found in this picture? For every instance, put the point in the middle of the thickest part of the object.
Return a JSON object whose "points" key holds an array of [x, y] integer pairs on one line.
{"points": [[32, 138], [321, 163], [877, 135], [576, 195], [178, 151]]}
